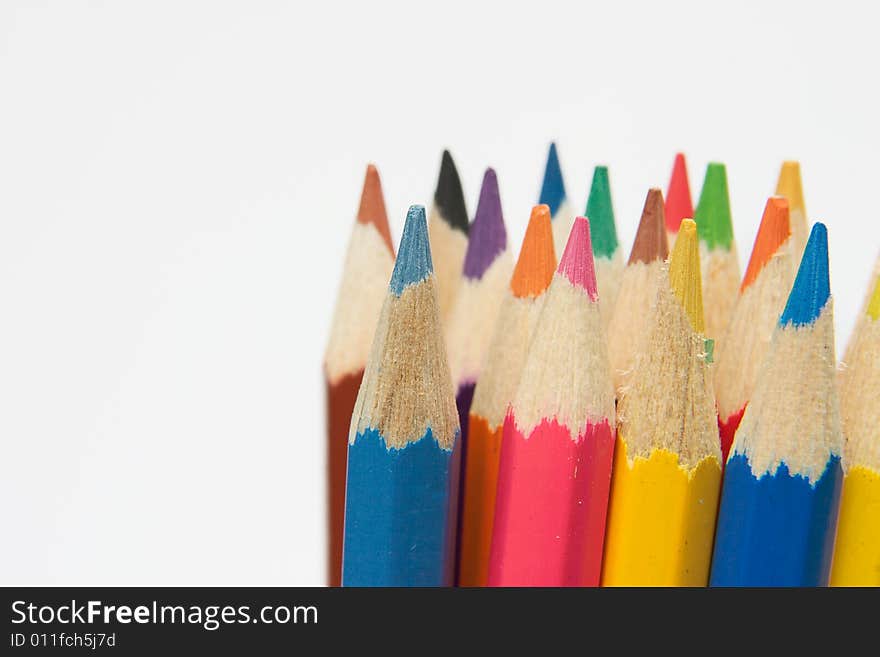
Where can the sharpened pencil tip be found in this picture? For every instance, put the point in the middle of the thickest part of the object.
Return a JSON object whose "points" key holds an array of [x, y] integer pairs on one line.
{"points": [[413, 264], [537, 256], [714, 223], [601, 213], [678, 195], [774, 231], [576, 263], [553, 188], [372, 205], [449, 197], [789, 184], [488, 236], [812, 287], [651, 242], [684, 274]]}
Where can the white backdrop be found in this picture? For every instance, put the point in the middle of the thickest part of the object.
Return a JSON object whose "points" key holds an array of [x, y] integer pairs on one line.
{"points": [[177, 185]]}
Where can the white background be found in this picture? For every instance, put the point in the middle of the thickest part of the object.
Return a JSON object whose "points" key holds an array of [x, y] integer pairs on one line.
{"points": [[177, 185]]}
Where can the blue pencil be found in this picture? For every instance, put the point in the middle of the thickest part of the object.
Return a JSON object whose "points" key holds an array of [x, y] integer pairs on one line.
{"points": [[553, 196], [782, 482], [403, 454]]}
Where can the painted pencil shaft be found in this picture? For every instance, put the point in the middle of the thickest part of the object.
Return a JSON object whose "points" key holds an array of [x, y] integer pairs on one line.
{"points": [[365, 276], [494, 392], [857, 550], [558, 440], [341, 397], [403, 453], [667, 467], [779, 503]]}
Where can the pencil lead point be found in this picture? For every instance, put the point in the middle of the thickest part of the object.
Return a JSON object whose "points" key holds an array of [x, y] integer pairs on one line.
{"points": [[812, 288], [773, 232], [678, 195], [413, 264], [576, 263], [712, 215], [684, 274], [372, 205], [601, 213], [789, 184], [651, 242], [553, 188], [537, 257], [449, 197], [488, 236]]}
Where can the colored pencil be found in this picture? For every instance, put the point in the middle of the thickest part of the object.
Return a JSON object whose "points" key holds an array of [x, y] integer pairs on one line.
{"points": [[448, 230], [558, 439], [667, 464], [778, 509], [762, 296], [678, 197], [553, 196], [487, 267], [718, 256], [365, 276], [486, 272], [638, 289], [789, 185], [606, 249], [857, 551], [520, 309], [403, 451]]}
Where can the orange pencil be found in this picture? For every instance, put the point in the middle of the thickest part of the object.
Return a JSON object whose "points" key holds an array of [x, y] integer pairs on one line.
{"points": [[762, 296], [494, 391]]}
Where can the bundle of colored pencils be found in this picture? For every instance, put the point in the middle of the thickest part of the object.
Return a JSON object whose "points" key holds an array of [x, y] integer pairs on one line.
{"points": [[496, 419]]}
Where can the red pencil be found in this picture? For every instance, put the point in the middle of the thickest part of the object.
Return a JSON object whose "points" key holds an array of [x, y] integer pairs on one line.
{"points": [[362, 292], [558, 439]]}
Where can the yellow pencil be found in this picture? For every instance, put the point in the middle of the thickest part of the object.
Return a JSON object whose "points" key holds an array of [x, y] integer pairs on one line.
{"points": [[857, 550], [667, 465]]}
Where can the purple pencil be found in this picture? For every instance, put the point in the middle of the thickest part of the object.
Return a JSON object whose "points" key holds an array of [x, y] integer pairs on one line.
{"points": [[485, 276]]}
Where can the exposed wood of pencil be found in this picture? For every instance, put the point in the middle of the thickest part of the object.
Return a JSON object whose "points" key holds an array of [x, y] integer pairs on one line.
{"points": [[718, 255], [638, 290], [763, 293]]}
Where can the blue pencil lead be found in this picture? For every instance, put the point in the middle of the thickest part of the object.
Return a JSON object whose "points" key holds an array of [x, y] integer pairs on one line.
{"points": [[413, 264], [553, 188], [811, 288]]}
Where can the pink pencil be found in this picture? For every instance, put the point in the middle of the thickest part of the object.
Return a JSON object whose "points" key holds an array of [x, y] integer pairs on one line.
{"points": [[558, 440]]}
